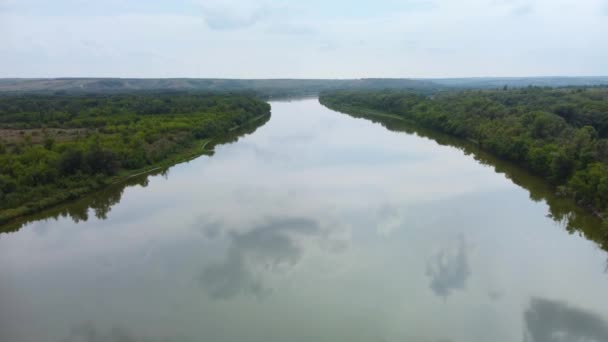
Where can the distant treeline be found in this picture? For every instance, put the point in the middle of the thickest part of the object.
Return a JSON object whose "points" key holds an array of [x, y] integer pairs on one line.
{"points": [[265, 88], [559, 134], [273, 88], [54, 148]]}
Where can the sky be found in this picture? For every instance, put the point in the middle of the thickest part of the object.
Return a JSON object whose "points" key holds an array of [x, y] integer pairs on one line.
{"points": [[303, 39]]}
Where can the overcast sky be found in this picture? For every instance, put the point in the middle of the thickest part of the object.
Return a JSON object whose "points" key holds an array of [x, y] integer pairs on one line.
{"points": [[303, 39]]}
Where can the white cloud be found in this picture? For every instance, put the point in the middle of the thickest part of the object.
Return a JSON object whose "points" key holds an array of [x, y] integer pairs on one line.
{"points": [[277, 38]]}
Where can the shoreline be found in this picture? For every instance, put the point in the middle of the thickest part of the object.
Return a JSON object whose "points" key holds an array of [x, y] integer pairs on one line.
{"points": [[370, 113], [195, 150]]}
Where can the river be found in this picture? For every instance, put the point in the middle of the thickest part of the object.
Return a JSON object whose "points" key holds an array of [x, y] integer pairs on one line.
{"points": [[316, 227]]}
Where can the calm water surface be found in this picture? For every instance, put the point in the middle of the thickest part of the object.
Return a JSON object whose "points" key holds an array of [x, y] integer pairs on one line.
{"points": [[317, 227]]}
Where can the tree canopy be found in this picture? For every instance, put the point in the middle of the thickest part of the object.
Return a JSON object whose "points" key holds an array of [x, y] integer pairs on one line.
{"points": [[559, 134], [54, 148]]}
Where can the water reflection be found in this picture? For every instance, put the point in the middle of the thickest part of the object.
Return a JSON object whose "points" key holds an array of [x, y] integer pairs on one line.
{"points": [[495, 295], [89, 332], [553, 321], [449, 269], [389, 219], [562, 210], [242, 247], [101, 202], [268, 246]]}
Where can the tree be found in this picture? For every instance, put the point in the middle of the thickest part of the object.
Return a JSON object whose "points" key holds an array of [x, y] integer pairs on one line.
{"points": [[591, 185], [71, 161], [49, 142]]}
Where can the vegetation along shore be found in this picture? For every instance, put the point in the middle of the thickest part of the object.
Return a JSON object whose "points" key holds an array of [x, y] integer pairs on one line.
{"points": [[55, 148], [560, 134]]}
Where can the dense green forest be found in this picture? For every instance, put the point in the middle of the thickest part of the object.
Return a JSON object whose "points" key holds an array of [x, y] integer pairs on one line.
{"points": [[558, 134], [55, 148]]}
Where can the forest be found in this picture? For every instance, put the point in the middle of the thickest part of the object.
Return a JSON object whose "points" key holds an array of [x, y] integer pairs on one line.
{"points": [[278, 88], [560, 134], [55, 148]]}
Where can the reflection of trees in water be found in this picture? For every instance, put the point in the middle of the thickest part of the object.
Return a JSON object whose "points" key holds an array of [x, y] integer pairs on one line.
{"points": [[102, 201], [562, 210]]}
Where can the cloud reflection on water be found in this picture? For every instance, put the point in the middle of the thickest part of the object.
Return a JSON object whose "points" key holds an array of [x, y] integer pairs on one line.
{"points": [[552, 321], [89, 332], [449, 269], [270, 245]]}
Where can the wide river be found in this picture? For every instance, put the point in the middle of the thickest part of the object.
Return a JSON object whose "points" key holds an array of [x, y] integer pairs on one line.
{"points": [[316, 227]]}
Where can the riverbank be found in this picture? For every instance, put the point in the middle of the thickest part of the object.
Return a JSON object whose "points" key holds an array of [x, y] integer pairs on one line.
{"points": [[38, 175], [62, 196], [409, 117], [197, 149], [98, 199]]}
